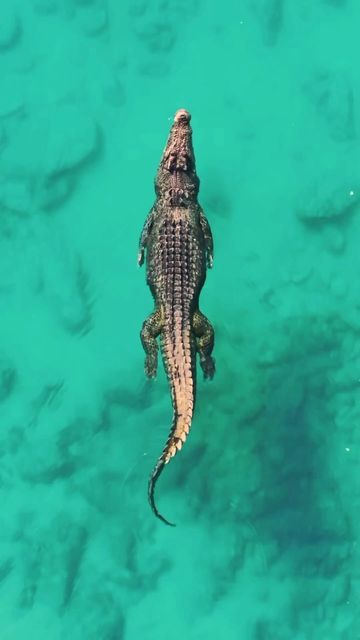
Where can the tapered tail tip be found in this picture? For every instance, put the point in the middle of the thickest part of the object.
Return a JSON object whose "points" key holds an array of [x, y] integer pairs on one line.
{"points": [[182, 116], [153, 478]]}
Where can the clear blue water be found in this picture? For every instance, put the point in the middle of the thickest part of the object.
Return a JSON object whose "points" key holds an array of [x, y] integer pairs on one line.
{"points": [[266, 491]]}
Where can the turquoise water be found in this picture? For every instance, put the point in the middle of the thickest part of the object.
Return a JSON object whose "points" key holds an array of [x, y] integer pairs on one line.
{"points": [[266, 491]]}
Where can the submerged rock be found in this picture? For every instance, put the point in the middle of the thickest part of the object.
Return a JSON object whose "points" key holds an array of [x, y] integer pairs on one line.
{"points": [[270, 14], [54, 191], [46, 7], [334, 239], [10, 26], [72, 139], [94, 21], [333, 97], [44, 155], [159, 38], [7, 377], [328, 198]]}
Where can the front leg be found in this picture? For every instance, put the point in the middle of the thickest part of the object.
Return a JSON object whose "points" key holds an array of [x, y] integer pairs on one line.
{"points": [[208, 238], [149, 332], [205, 338], [145, 236]]}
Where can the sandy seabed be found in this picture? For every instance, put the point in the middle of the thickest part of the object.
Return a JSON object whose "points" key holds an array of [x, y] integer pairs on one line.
{"points": [[266, 492]]}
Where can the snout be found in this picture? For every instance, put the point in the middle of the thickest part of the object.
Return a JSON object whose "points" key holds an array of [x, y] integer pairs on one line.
{"points": [[182, 116]]}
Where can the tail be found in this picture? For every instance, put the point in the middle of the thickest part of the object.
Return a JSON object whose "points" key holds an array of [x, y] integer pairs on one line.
{"points": [[153, 478], [179, 360]]}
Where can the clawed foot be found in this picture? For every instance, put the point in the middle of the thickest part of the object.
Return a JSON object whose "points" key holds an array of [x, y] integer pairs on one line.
{"points": [[208, 366], [151, 367], [149, 332], [140, 258]]}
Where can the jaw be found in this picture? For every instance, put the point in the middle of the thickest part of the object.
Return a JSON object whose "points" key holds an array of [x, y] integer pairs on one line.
{"points": [[178, 154], [176, 182]]}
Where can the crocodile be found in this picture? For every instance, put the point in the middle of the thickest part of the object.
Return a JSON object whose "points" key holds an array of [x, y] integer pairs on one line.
{"points": [[177, 242]]}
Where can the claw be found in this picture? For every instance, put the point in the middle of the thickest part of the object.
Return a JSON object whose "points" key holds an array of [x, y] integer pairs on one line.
{"points": [[140, 258]]}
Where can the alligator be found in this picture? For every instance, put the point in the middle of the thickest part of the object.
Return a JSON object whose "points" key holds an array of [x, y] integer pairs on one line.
{"points": [[178, 245]]}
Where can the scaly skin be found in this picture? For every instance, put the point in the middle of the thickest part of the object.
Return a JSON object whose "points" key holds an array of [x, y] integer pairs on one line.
{"points": [[179, 246]]}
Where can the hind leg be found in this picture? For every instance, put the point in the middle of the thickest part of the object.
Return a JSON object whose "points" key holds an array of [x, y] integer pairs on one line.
{"points": [[150, 330], [204, 333]]}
